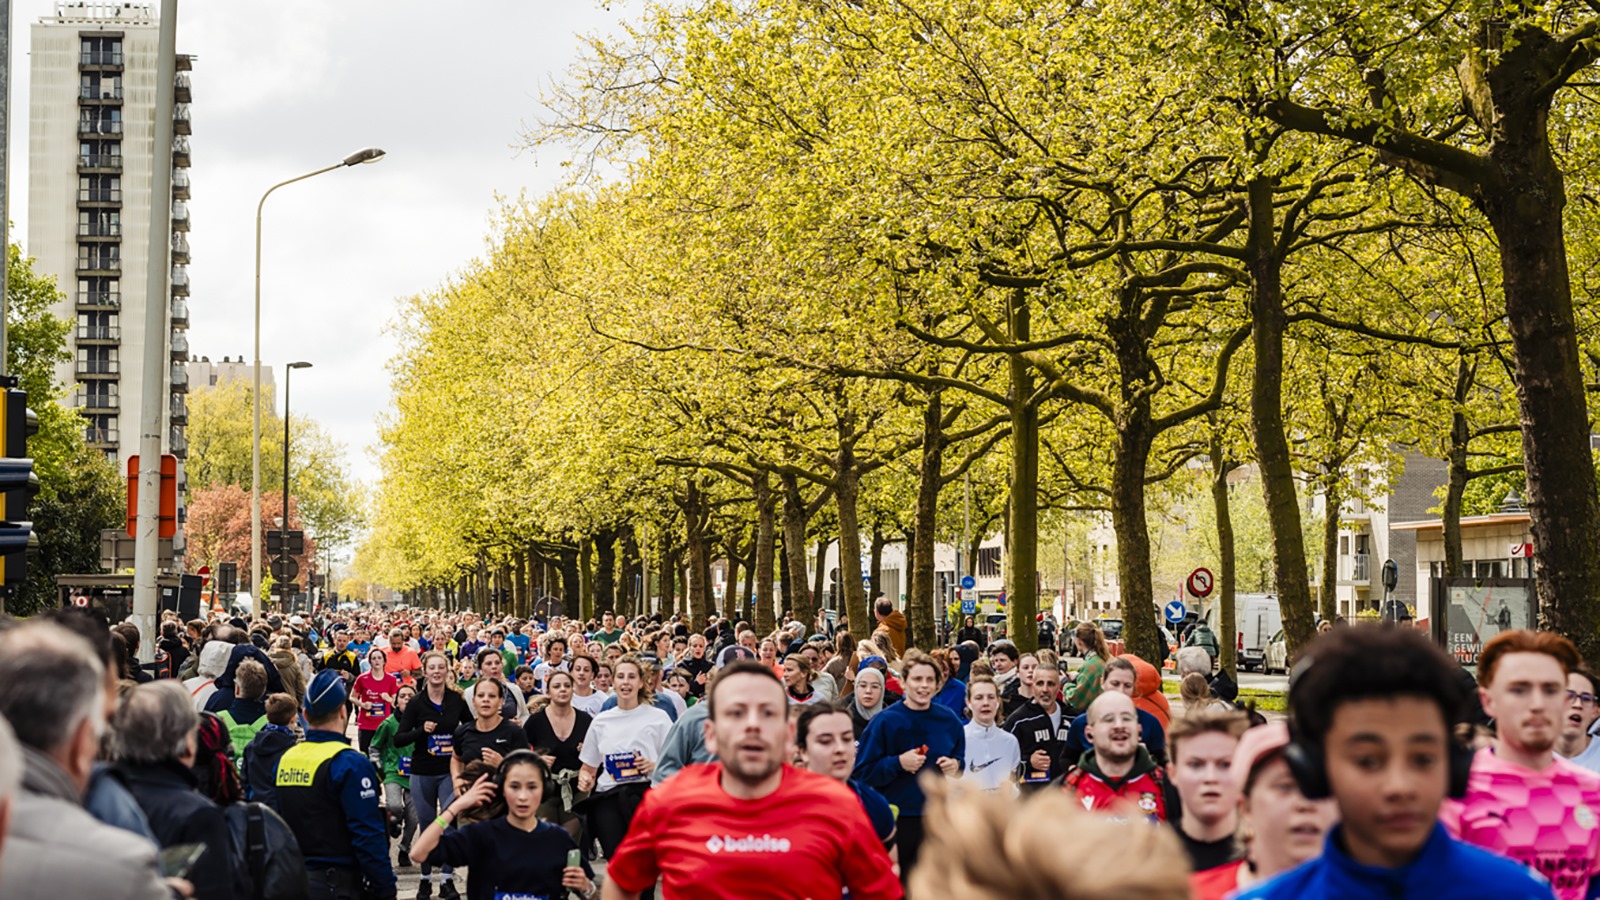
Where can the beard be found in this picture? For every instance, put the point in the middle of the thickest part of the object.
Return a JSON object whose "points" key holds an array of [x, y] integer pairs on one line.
{"points": [[753, 771], [1116, 756]]}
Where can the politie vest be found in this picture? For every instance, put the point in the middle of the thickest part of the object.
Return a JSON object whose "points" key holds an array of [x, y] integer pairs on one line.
{"points": [[309, 801]]}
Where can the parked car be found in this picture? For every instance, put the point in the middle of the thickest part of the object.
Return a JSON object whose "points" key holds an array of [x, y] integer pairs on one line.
{"points": [[1277, 655]]}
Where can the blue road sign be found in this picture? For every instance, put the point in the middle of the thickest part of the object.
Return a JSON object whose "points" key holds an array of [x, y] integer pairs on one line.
{"points": [[1175, 611], [969, 607], [968, 582]]}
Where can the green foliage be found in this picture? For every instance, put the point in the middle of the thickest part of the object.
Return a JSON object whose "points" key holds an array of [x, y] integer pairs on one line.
{"points": [[80, 490]]}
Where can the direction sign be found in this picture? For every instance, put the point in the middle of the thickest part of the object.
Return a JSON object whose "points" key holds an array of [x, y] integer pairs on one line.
{"points": [[1175, 611], [968, 582], [1201, 582]]}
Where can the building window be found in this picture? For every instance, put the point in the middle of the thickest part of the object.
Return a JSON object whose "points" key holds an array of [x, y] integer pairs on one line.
{"points": [[100, 188], [101, 51], [988, 562]]}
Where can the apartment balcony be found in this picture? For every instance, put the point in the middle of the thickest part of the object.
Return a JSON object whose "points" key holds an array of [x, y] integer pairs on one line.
{"points": [[180, 313], [180, 216], [178, 410], [104, 95], [180, 88], [180, 281], [180, 347], [98, 334], [93, 230], [180, 378], [180, 184], [180, 151], [1356, 570], [181, 119], [99, 127], [98, 368], [99, 265], [185, 63], [177, 443], [91, 301], [94, 197], [90, 163], [96, 402], [101, 438], [100, 60], [180, 248]]}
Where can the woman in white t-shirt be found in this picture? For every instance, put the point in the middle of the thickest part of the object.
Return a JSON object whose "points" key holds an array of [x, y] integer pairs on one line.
{"points": [[585, 694], [619, 753]]}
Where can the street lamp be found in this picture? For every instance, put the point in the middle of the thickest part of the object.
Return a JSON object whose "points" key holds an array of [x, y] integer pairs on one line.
{"points": [[284, 602], [369, 155]]}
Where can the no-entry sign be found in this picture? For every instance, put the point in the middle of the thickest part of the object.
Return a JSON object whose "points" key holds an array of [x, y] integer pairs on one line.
{"points": [[1201, 582]]}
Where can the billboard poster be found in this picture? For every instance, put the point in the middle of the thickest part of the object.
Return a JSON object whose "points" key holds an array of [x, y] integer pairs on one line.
{"points": [[1476, 610]]}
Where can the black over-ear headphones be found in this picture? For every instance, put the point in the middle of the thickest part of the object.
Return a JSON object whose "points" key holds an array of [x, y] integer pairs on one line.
{"points": [[1309, 766]]}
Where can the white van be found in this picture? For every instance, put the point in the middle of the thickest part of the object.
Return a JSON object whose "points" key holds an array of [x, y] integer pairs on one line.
{"points": [[1258, 618]]}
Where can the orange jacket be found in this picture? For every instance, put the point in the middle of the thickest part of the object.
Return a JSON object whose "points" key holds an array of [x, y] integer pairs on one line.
{"points": [[1147, 694]]}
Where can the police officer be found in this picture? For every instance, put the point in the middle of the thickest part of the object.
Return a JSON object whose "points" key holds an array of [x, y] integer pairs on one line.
{"points": [[328, 793]]}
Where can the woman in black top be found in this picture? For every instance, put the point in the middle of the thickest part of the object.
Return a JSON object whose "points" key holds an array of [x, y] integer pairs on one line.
{"points": [[490, 737], [555, 733], [429, 724]]}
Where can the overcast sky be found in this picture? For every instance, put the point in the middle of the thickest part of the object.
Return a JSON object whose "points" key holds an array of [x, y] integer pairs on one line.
{"points": [[288, 86]]}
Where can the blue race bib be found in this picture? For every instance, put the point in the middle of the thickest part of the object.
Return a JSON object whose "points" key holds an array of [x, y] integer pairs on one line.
{"points": [[513, 895], [624, 767], [441, 744], [403, 765]]}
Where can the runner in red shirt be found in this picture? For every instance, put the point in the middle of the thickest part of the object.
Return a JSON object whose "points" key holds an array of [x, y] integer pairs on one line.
{"points": [[751, 825], [374, 695]]}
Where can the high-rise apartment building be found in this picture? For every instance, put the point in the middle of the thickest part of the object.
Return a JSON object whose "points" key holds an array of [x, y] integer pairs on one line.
{"points": [[91, 156]]}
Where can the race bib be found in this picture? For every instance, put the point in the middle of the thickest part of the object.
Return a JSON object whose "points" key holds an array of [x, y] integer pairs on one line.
{"points": [[1034, 776], [513, 895], [376, 710], [403, 765], [441, 744], [624, 767]]}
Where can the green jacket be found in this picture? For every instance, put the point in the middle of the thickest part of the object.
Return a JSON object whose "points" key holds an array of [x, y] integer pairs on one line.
{"points": [[383, 744], [1088, 685]]}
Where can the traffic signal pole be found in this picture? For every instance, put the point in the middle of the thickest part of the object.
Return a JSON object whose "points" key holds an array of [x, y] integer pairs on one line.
{"points": [[146, 547]]}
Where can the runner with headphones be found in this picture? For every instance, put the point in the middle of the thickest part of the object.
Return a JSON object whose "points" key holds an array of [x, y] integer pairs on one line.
{"points": [[1372, 711], [1522, 801], [511, 853]]}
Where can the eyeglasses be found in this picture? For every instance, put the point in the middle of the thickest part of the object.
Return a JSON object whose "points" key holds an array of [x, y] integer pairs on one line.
{"points": [[1585, 698]]}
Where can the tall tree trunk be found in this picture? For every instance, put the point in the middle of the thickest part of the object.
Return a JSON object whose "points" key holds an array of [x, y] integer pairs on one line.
{"points": [[586, 602], [875, 561], [920, 600], [800, 599], [519, 584], [1227, 575], [632, 572], [605, 572], [785, 580], [847, 497], [1022, 543], [699, 548], [730, 587], [820, 590], [1524, 202], [1332, 500], [1129, 466], [1266, 418], [571, 582]]}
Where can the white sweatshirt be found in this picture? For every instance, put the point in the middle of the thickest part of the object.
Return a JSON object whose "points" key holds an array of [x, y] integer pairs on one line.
{"points": [[993, 757]]}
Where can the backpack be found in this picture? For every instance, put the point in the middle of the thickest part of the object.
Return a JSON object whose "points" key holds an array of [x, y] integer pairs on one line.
{"points": [[241, 734], [266, 857]]}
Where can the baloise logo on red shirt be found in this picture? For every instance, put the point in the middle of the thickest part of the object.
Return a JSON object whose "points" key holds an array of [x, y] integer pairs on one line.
{"points": [[748, 844]]}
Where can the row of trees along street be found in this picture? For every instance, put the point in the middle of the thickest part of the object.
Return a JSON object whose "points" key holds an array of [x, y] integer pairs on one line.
{"points": [[822, 263]]}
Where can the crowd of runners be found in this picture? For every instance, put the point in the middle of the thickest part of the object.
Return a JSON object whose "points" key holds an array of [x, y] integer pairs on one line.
{"points": [[284, 756]]}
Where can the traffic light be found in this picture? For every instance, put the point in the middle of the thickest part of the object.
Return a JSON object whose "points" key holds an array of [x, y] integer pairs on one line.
{"points": [[18, 485]]}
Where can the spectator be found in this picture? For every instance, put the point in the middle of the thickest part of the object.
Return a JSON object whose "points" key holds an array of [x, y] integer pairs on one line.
{"points": [[1091, 645], [213, 661], [1203, 637], [892, 622], [52, 692], [156, 733], [260, 768], [248, 714]]}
